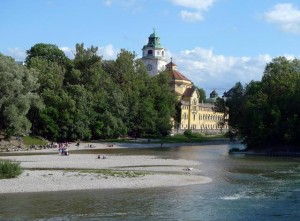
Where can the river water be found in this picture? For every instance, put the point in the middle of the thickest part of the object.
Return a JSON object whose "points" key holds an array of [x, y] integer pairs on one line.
{"points": [[242, 188]]}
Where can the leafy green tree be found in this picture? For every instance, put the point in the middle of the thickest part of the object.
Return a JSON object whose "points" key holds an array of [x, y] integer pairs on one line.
{"points": [[265, 114], [202, 95], [47, 52], [17, 95]]}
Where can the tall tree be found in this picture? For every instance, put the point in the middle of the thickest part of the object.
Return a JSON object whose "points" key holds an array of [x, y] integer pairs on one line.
{"points": [[17, 95], [266, 113], [48, 52]]}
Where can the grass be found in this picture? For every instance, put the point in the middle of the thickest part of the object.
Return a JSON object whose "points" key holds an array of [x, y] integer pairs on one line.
{"points": [[33, 140], [9, 169], [193, 138], [123, 174], [179, 138], [104, 172]]}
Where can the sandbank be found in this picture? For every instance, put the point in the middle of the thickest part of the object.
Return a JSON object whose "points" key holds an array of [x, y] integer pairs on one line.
{"points": [[60, 173]]}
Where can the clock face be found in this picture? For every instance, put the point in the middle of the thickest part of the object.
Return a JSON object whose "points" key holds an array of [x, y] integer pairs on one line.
{"points": [[149, 67]]}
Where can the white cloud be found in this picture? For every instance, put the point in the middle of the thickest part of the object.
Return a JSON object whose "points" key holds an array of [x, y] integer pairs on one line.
{"points": [[17, 53], [194, 4], [211, 71], [191, 16], [286, 16], [69, 52], [198, 7], [122, 3], [108, 52]]}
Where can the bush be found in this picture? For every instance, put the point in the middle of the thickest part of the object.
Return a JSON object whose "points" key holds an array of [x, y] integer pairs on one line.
{"points": [[188, 133], [9, 169]]}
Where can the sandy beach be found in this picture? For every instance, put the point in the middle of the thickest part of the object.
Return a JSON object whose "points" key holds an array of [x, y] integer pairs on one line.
{"points": [[61, 173]]}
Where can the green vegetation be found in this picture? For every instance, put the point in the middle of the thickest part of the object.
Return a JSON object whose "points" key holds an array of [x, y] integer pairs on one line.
{"points": [[123, 174], [265, 114], [32, 140], [84, 98], [190, 138], [9, 169], [18, 86], [104, 172]]}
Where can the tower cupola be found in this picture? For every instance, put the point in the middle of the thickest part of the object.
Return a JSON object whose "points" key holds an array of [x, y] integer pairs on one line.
{"points": [[154, 55]]}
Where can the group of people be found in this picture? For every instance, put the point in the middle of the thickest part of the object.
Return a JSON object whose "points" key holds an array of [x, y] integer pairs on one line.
{"points": [[63, 149], [99, 157]]}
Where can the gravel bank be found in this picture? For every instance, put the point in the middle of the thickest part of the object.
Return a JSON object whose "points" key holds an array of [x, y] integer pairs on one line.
{"points": [[39, 174]]}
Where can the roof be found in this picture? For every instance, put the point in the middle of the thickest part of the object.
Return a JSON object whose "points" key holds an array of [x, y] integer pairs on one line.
{"points": [[176, 75], [170, 64], [153, 41], [213, 94], [189, 92]]}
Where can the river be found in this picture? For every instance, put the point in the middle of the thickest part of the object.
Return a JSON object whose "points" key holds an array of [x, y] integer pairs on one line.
{"points": [[243, 188]]}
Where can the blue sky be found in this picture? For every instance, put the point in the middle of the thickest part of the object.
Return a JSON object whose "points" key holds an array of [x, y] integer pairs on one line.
{"points": [[215, 43]]}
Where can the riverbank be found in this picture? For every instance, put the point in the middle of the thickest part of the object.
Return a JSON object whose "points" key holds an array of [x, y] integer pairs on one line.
{"points": [[110, 145], [44, 173]]}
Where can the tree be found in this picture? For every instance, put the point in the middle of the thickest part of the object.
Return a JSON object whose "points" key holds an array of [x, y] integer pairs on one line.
{"points": [[266, 113], [48, 52], [17, 95], [202, 95]]}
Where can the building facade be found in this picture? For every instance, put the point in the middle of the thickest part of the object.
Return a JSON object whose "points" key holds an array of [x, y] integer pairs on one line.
{"points": [[194, 115]]}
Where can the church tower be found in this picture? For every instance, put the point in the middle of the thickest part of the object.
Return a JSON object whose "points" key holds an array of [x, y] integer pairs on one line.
{"points": [[154, 55]]}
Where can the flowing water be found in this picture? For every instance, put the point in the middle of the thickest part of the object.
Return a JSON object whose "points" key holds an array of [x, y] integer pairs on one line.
{"points": [[243, 188]]}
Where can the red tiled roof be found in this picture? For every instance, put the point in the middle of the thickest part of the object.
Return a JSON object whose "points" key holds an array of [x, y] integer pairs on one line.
{"points": [[188, 92], [176, 75]]}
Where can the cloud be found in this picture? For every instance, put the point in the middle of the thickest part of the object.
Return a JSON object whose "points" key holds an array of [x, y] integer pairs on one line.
{"points": [[194, 4], [17, 53], [69, 52], [211, 71], [108, 52], [197, 7], [191, 16], [122, 3], [286, 16]]}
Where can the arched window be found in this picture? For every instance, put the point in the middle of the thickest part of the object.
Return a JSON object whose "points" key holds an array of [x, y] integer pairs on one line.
{"points": [[150, 52]]}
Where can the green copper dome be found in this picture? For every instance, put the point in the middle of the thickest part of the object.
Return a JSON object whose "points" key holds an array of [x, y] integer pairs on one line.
{"points": [[154, 41]]}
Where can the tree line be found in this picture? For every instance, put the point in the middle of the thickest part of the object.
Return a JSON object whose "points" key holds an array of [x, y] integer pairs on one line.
{"points": [[83, 98], [266, 114]]}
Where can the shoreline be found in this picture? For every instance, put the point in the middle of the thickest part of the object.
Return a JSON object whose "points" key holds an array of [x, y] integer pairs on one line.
{"points": [[44, 173], [115, 145]]}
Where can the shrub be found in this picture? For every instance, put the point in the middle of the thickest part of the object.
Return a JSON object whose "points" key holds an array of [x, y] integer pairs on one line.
{"points": [[188, 133], [9, 169]]}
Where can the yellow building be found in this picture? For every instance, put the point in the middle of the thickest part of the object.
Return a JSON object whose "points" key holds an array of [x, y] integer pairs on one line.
{"points": [[197, 116]]}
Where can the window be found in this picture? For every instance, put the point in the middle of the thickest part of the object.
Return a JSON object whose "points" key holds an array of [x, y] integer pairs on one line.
{"points": [[163, 53], [150, 52]]}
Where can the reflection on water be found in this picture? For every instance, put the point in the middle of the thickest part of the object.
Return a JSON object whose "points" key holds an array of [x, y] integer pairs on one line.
{"points": [[243, 188]]}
